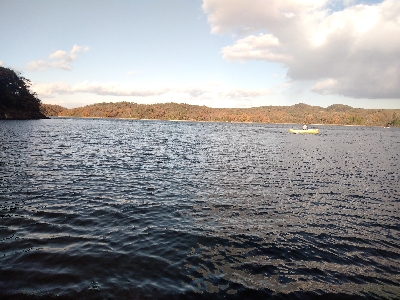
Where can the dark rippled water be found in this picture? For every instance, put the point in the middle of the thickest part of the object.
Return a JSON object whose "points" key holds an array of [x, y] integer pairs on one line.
{"points": [[119, 209]]}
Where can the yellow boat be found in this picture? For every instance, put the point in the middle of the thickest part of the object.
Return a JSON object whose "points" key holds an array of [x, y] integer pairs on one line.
{"points": [[309, 131]]}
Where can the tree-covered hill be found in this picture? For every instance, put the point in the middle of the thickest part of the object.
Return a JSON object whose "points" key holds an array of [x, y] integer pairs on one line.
{"points": [[51, 110], [299, 114], [16, 101]]}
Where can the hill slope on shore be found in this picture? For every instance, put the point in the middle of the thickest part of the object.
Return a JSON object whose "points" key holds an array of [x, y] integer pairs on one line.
{"points": [[16, 100], [337, 114]]}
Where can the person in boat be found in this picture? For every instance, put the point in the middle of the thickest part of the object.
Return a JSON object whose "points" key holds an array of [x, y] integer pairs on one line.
{"points": [[305, 127]]}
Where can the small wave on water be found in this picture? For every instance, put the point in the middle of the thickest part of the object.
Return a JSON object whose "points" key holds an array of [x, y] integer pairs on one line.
{"points": [[120, 209]]}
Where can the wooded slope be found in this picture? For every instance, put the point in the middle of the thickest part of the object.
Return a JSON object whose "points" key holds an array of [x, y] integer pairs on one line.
{"points": [[16, 99], [300, 113]]}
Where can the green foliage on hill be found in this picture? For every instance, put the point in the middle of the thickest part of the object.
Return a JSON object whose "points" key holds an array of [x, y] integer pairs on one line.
{"points": [[16, 101], [395, 123], [299, 114]]}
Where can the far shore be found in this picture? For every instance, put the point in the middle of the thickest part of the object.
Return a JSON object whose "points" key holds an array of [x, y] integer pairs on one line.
{"points": [[334, 115], [235, 122]]}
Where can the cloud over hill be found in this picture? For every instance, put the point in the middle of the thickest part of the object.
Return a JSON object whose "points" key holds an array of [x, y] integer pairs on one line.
{"points": [[352, 52]]}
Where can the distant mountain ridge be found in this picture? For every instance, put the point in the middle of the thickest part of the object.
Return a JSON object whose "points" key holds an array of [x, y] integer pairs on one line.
{"points": [[301, 113]]}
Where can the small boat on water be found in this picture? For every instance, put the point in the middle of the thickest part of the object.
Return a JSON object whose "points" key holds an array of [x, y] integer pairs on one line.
{"points": [[304, 131]]}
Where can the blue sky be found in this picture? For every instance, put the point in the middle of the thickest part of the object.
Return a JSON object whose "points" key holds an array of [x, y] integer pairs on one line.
{"points": [[216, 53]]}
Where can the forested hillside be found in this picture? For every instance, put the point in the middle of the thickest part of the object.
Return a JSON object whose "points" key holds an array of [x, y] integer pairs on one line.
{"points": [[16, 100], [51, 110], [300, 113]]}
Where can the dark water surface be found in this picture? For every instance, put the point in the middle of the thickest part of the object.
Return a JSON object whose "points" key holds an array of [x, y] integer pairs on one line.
{"points": [[119, 209]]}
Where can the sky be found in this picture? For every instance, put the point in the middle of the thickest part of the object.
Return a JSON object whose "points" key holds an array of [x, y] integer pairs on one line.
{"points": [[218, 53]]}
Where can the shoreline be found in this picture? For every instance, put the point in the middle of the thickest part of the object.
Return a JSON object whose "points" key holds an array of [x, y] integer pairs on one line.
{"points": [[235, 122], [334, 115]]}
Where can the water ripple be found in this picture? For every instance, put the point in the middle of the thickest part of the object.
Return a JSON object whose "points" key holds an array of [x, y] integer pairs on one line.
{"points": [[99, 209]]}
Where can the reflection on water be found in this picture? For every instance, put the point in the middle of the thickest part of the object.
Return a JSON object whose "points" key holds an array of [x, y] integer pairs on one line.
{"points": [[151, 209]]}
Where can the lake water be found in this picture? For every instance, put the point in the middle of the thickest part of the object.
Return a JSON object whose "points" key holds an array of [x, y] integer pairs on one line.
{"points": [[127, 209]]}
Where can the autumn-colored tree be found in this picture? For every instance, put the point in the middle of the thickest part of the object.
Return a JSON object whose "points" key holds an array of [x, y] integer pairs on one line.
{"points": [[51, 109], [298, 114]]}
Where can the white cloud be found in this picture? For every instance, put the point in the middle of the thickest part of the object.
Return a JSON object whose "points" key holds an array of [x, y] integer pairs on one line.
{"points": [[324, 87], [348, 2], [58, 60], [130, 73], [243, 93], [261, 47], [210, 93], [111, 89], [1, 63], [196, 92], [356, 48]]}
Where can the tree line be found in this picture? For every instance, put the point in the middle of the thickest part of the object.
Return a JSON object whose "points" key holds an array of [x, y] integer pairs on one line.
{"points": [[16, 99], [301, 113], [18, 102]]}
